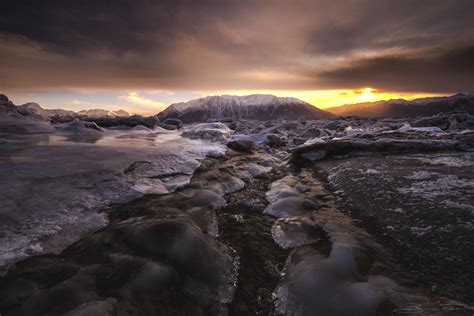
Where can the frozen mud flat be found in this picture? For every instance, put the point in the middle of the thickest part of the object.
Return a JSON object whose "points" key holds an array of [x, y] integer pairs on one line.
{"points": [[53, 185], [421, 206], [334, 267]]}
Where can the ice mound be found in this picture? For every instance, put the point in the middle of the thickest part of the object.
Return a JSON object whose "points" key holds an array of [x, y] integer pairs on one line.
{"points": [[292, 232], [158, 177], [282, 188], [286, 207], [288, 198], [82, 131], [252, 170], [161, 130], [208, 198], [188, 250], [79, 126], [227, 184], [209, 131], [317, 285], [141, 128], [255, 165], [140, 266]]}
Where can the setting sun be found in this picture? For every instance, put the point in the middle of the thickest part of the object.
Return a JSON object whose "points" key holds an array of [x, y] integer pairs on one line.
{"points": [[367, 94]]}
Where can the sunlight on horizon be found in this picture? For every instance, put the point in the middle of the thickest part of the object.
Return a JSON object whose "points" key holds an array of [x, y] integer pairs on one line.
{"points": [[150, 102], [325, 99]]}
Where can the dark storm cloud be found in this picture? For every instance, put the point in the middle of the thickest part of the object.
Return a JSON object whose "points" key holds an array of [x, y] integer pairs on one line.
{"points": [[234, 44], [384, 24], [433, 71], [119, 25]]}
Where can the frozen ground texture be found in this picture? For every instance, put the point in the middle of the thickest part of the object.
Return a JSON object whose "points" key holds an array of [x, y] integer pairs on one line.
{"points": [[334, 268], [54, 184], [421, 204]]}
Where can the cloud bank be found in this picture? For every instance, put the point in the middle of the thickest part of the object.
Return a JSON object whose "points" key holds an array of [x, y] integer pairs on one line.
{"points": [[218, 45]]}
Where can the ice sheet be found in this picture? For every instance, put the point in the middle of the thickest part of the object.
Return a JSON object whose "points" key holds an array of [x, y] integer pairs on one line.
{"points": [[52, 186]]}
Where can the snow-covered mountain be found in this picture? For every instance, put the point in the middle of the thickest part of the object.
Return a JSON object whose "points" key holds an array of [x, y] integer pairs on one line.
{"points": [[255, 106], [403, 108], [45, 113], [18, 120], [32, 117], [93, 113], [103, 113]]}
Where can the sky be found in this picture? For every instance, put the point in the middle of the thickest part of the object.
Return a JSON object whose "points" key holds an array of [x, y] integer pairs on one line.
{"points": [[142, 55]]}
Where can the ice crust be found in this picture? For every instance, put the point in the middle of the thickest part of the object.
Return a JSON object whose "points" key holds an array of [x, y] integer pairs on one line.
{"points": [[53, 185]]}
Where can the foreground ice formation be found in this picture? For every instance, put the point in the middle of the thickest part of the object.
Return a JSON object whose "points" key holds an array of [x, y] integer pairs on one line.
{"points": [[159, 253], [287, 198], [318, 285], [53, 185], [313, 282], [145, 260], [209, 131]]}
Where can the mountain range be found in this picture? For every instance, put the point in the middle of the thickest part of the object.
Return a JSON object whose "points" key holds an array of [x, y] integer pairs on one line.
{"points": [[258, 107], [51, 113], [250, 107], [403, 108]]}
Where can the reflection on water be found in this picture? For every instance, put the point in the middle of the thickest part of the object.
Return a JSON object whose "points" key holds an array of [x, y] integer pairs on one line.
{"points": [[83, 137]]}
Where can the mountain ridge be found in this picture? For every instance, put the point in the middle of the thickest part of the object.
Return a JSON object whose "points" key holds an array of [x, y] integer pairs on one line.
{"points": [[91, 113], [408, 108], [254, 106]]}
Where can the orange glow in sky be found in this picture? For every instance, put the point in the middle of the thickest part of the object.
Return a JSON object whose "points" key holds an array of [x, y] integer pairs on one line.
{"points": [[150, 102], [332, 98]]}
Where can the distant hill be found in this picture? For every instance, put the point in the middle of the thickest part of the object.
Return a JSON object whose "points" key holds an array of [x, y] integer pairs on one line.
{"points": [[103, 113], [18, 120], [11, 116], [252, 107], [45, 113], [404, 108], [60, 113]]}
